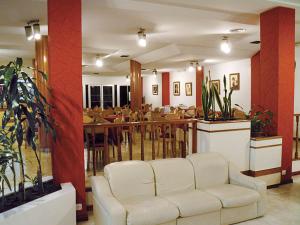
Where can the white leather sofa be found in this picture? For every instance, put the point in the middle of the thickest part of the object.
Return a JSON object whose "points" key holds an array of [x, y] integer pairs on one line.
{"points": [[203, 189]]}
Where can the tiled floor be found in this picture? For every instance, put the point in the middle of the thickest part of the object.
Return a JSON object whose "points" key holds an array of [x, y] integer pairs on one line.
{"points": [[283, 207]]}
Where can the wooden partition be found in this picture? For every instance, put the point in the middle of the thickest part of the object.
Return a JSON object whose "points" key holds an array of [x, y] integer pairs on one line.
{"points": [[161, 130]]}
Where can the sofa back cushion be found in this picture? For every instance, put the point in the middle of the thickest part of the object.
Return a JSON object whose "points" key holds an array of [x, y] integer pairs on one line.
{"points": [[211, 169], [130, 179], [173, 175]]}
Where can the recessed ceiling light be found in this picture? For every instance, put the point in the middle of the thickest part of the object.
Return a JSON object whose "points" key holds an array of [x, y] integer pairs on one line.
{"points": [[238, 30], [255, 42]]}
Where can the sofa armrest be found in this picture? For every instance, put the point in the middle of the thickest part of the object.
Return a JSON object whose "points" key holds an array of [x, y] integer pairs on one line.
{"points": [[237, 178], [111, 211]]}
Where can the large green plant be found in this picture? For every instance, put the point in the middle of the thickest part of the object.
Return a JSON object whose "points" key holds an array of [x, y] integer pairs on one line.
{"points": [[208, 99], [26, 109], [225, 105]]}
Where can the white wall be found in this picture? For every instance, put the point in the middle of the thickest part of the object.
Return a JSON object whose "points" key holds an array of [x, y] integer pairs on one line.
{"points": [[148, 81], [243, 67], [103, 80], [183, 77]]}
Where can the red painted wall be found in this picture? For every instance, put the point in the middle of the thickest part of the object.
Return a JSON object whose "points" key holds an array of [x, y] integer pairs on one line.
{"points": [[255, 80], [165, 78], [277, 56], [199, 80], [65, 52]]}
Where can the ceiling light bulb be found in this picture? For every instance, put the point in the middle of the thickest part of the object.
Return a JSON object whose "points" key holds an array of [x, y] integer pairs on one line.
{"points": [[37, 31], [199, 68], [142, 38], [191, 67], [225, 46], [99, 62], [28, 32], [154, 72], [127, 79]]}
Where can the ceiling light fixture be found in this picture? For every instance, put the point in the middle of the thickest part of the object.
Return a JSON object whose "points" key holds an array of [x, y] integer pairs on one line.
{"points": [[32, 30], [36, 31], [154, 72], [127, 78], [142, 38], [191, 67], [28, 32], [238, 30], [225, 45], [99, 61], [199, 67]]}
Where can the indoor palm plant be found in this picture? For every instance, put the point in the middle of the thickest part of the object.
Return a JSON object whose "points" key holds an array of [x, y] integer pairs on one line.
{"points": [[26, 110]]}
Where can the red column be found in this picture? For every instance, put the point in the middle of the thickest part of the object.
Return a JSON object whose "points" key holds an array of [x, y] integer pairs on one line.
{"points": [[277, 56], [65, 52], [255, 80], [165, 88], [199, 80]]}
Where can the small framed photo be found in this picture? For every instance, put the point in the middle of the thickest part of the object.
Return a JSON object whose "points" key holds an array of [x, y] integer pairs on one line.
{"points": [[155, 89], [188, 89], [234, 81], [176, 88], [216, 83]]}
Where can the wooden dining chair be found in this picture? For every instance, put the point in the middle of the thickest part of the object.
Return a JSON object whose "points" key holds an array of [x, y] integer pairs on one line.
{"points": [[169, 134], [95, 145]]}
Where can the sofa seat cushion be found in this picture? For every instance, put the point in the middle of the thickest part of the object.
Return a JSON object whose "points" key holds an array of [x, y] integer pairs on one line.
{"points": [[149, 211], [233, 195], [195, 202]]}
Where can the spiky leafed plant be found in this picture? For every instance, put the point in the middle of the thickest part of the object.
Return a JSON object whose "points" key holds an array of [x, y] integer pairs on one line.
{"points": [[25, 105], [207, 98], [225, 106]]}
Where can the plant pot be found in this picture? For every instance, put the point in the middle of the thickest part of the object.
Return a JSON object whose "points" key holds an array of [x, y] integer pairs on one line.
{"points": [[257, 134], [229, 138], [57, 208], [265, 159]]}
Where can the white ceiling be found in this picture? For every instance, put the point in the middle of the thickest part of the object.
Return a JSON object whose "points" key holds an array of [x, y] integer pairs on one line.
{"points": [[177, 31]]}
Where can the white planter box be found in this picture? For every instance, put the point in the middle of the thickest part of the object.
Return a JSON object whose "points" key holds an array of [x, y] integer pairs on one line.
{"points": [[265, 159], [57, 208], [230, 138]]}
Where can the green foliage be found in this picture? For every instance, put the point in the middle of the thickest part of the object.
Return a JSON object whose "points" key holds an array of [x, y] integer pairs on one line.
{"points": [[26, 110], [261, 120], [225, 103], [207, 98]]}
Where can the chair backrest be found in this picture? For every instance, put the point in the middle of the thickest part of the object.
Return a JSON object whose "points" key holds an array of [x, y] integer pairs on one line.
{"points": [[210, 169], [173, 175], [129, 179]]}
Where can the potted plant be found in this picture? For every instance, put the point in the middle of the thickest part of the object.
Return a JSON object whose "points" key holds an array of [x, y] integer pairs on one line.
{"points": [[220, 131], [261, 122], [26, 109]]}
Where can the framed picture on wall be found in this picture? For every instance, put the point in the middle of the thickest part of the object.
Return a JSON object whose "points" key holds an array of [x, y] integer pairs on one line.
{"points": [[234, 81], [217, 84], [188, 89], [155, 89], [176, 88]]}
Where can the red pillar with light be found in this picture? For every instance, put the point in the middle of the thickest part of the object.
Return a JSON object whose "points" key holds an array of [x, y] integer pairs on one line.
{"points": [[65, 58], [277, 70], [165, 88], [199, 80]]}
